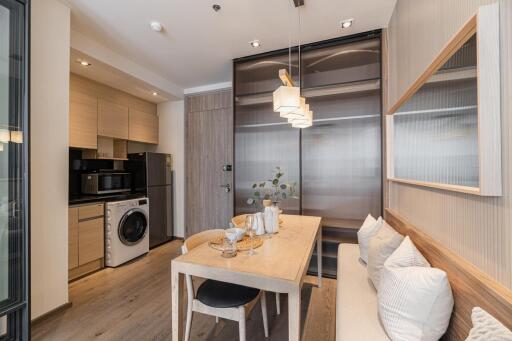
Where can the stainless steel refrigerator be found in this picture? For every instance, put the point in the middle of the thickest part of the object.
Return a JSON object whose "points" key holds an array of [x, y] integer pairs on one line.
{"points": [[152, 175]]}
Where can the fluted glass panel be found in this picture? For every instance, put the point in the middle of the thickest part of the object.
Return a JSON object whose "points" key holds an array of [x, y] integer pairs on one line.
{"points": [[435, 132]]}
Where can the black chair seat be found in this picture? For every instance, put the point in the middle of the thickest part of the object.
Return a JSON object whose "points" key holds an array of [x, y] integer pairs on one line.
{"points": [[225, 295]]}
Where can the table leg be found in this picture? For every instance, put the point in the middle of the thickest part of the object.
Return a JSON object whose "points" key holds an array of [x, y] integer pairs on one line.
{"points": [[177, 304], [294, 315], [319, 256]]}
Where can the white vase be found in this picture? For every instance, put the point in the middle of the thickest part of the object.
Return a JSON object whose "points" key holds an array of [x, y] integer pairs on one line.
{"points": [[259, 224], [271, 215]]}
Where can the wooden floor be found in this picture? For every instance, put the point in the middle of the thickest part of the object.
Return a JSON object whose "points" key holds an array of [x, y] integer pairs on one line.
{"points": [[133, 302]]}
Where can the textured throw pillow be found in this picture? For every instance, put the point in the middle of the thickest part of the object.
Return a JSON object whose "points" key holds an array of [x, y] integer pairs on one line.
{"points": [[381, 247], [369, 228], [406, 255], [487, 328], [415, 300]]}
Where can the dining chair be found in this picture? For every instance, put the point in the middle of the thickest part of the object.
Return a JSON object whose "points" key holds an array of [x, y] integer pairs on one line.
{"points": [[239, 221], [220, 299]]}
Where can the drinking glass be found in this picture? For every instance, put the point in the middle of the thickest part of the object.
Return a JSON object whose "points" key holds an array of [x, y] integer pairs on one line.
{"points": [[250, 228]]}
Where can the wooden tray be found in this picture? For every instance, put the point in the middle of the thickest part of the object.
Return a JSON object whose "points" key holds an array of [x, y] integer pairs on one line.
{"points": [[220, 243]]}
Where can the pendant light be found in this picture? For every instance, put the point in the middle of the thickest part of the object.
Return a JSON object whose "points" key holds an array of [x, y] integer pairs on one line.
{"points": [[287, 99]]}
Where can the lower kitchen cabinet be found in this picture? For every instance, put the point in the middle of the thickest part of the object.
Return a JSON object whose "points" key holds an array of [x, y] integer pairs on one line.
{"points": [[86, 246]]}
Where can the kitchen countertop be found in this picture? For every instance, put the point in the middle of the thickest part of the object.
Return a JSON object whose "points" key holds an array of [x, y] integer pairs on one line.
{"points": [[91, 199]]}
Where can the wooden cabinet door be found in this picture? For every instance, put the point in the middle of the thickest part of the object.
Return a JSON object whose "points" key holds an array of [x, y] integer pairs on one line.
{"points": [[72, 238], [143, 127], [83, 120], [112, 120], [91, 240]]}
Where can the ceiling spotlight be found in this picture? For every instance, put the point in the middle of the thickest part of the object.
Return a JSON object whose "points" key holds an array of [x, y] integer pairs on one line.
{"points": [[83, 62], [155, 93], [216, 7], [156, 26], [255, 43], [346, 23]]}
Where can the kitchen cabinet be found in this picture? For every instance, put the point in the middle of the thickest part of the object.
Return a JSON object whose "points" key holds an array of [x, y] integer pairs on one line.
{"points": [[86, 248], [112, 120], [143, 127], [83, 120], [73, 238]]}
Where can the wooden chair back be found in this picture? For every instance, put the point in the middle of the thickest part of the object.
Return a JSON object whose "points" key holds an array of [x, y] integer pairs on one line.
{"points": [[189, 244], [470, 286]]}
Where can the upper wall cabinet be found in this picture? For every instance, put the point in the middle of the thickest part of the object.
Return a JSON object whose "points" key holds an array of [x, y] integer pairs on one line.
{"points": [[143, 127], [445, 132], [112, 120], [83, 120]]}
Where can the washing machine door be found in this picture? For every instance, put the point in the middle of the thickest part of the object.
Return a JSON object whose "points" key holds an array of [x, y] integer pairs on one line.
{"points": [[133, 226]]}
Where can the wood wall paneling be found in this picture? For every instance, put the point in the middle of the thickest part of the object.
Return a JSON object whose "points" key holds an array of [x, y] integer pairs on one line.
{"points": [[112, 119], [83, 120], [477, 228], [208, 146], [143, 127]]}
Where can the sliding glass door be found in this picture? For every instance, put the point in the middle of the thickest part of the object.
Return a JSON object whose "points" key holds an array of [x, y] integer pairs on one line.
{"points": [[14, 269]]}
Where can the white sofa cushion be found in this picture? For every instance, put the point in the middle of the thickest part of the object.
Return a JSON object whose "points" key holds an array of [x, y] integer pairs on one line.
{"points": [[356, 299], [486, 327], [369, 229], [380, 248], [415, 301]]}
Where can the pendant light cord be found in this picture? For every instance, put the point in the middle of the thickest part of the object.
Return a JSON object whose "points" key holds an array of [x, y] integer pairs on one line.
{"points": [[289, 43], [300, 61]]}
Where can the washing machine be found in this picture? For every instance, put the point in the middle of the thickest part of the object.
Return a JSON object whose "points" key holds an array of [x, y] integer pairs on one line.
{"points": [[126, 230]]}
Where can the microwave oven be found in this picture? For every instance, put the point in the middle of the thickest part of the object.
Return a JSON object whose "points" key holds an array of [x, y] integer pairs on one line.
{"points": [[105, 183]]}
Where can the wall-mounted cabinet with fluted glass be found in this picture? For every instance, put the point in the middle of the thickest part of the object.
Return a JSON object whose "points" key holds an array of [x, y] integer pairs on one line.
{"points": [[445, 131]]}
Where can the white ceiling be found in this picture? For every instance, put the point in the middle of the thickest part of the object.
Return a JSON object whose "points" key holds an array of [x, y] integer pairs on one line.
{"points": [[198, 44], [106, 74]]}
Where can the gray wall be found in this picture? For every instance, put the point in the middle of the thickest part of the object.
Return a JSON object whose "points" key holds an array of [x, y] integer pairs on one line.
{"points": [[477, 228]]}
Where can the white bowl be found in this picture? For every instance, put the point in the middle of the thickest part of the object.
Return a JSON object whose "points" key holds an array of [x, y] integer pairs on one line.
{"points": [[238, 231]]}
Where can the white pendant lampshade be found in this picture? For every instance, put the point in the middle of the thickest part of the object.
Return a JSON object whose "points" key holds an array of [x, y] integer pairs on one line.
{"points": [[286, 99], [305, 122], [298, 113], [5, 136], [16, 136]]}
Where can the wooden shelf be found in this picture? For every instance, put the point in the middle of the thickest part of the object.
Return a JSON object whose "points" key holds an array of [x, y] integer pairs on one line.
{"points": [[353, 224]]}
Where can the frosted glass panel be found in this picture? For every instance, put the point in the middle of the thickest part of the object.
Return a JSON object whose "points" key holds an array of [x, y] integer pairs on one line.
{"points": [[4, 159], [435, 131]]}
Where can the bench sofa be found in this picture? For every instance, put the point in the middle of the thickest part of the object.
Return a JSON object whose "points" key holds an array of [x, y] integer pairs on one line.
{"points": [[356, 299]]}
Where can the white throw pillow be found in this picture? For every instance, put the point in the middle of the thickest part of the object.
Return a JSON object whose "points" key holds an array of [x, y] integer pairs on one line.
{"points": [[382, 245], [369, 229], [415, 300], [406, 255], [487, 328]]}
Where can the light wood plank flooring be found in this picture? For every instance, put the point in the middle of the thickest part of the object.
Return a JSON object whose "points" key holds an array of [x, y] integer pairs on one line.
{"points": [[133, 302]]}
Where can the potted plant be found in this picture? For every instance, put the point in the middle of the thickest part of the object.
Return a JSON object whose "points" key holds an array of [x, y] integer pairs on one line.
{"points": [[275, 190]]}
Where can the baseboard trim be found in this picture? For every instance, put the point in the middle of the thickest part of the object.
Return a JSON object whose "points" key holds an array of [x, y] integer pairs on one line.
{"points": [[178, 238], [51, 313]]}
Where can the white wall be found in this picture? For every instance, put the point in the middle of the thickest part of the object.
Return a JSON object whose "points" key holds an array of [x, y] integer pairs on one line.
{"points": [[49, 154], [477, 228], [172, 141]]}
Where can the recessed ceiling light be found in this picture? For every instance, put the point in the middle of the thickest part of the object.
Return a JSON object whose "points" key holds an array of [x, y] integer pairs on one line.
{"points": [[83, 62], [255, 43], [346, 23], [156, 26], [155, 93], [216, 7]]}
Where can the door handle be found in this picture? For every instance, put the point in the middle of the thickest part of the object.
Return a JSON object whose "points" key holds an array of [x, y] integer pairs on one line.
{"points": [[227, 187]]}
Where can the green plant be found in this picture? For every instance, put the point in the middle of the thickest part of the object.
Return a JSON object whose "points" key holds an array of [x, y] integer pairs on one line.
{"points": [[272, 189]]}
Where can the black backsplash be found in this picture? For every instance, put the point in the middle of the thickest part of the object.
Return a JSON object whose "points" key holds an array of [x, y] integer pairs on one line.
{"points": [[77, 166]]}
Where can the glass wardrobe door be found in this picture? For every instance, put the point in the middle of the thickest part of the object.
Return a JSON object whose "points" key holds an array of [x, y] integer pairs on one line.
{"points": [[13, 172]]}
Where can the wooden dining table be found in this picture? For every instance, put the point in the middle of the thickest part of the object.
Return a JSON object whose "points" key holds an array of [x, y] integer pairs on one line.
{"points": [[279, 265]]}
